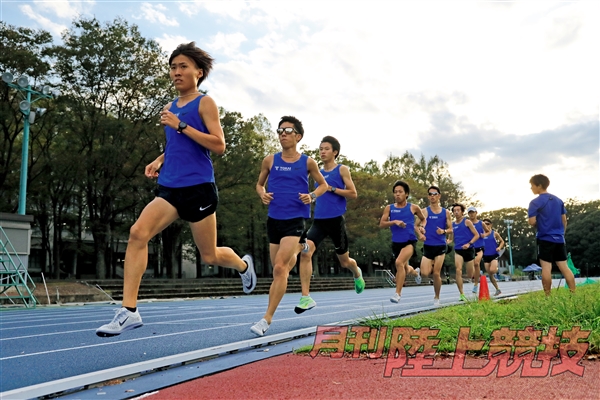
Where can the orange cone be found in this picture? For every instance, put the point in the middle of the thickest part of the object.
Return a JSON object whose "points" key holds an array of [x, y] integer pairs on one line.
{"points": [[484, 292]]}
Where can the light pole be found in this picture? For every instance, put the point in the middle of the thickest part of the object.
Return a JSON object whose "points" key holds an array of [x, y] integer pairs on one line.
{"points": [[511, 267], [25, 108]]}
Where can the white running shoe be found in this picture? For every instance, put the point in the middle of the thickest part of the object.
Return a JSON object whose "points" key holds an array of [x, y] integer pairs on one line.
{"points": [[248, 277], [418, 278], [124, 320], [436, 302], [260, 327], [395, 298]]}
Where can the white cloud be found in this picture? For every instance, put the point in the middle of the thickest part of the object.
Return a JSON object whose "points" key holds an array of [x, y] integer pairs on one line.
{"points": [[170, 42], [156, 14], [45, 23], [64, 9], [227, 44]]}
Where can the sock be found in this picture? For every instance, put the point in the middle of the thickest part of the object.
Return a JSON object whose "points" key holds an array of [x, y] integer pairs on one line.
{"points": [[132, 309]]}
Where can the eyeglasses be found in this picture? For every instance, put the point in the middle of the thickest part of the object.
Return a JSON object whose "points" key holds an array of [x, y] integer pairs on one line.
{"points": [[288, 131], [433, 193]]}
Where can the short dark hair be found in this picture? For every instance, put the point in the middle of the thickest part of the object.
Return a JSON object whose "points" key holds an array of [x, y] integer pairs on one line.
{"points": [[335, 144], [487, 220], [404, 186], [434, 187], [201, 58], [292, 120], [462, 207], [540, 180]]}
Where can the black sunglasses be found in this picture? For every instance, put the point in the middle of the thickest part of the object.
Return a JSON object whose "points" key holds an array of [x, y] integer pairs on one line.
{"points": [[286, 130], [433, 193]]}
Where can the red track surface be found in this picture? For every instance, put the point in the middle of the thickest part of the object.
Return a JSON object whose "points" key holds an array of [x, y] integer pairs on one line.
{"points": [[302, 377]]}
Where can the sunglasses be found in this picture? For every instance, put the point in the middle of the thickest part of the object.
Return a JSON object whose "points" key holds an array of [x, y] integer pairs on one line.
{"points": [[433, 193], [288, 131]]}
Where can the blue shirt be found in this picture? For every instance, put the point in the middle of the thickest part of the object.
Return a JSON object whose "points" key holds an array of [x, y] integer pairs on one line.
{"points": [[479, 228], [186, 163], [331, 205], [286, 182], [548, 210], [434, 221], [462, 234], [404, 214], [490, 245]]}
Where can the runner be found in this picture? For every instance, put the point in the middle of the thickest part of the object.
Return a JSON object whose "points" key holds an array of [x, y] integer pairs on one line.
{"points": [[289, 202], [329, 221], [438, 224], [478, 245], [548, 214], [493, 243], [186, 185], [399, 217], [464, 235]]}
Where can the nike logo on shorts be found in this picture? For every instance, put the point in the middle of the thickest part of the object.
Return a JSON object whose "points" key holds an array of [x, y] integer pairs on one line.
{"points": [[204, 208]]}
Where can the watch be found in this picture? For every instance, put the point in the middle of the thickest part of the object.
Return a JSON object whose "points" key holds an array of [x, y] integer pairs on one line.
{"points": [[181, 127], [333, 189], [313, 197]]}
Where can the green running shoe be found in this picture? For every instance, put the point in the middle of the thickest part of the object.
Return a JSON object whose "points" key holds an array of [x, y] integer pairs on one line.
{"points": [[462, 297], [359, 283], [306, 303]]}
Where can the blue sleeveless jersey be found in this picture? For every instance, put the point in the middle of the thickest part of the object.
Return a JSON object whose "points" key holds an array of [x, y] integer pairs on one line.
{"points": [[331, 205], [286, 182], [462, 234], [490, 245], [186, 162], [479, 228], [434, 221], [400, 235]]}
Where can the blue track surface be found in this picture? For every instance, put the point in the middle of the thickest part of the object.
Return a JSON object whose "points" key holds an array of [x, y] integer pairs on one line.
{"points": [[51, 343]]}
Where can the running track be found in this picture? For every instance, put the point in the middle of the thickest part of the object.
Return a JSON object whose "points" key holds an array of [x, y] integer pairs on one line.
{"points": [[48, 344]]}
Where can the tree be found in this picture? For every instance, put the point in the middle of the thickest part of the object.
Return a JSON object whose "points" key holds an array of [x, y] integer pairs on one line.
{"points": [[116, 82], [23, 51]]}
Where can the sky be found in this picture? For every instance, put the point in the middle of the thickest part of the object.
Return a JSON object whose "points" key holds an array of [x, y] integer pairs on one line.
{"points": [[498, 90]]}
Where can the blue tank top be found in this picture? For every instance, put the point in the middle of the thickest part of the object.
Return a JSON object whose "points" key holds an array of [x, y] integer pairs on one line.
{"points": [[400, 235], [490, 245], [186, 162], [479, 228], [434, 221], [286, 182], [331, 205], [462, 234]]}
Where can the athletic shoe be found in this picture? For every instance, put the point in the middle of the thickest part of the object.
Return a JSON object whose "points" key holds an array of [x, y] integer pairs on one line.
{"points": [[475, 289], [436, 302], [306, 303], [462, 298], [359, 283], [395, 298], [498, 292], [260, 327], [124, 320], [418, 278], [248, 277]]}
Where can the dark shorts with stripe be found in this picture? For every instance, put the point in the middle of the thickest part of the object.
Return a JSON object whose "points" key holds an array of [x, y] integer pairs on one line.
{"points": [[467, 255], [490, 258], [398, 246], [431, 252], [277, 229], [551, 252], [335, 228], [193, 203]]}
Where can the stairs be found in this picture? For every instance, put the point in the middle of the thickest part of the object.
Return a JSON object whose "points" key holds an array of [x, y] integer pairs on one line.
{"points": [[16, 286], [214, 287]]}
